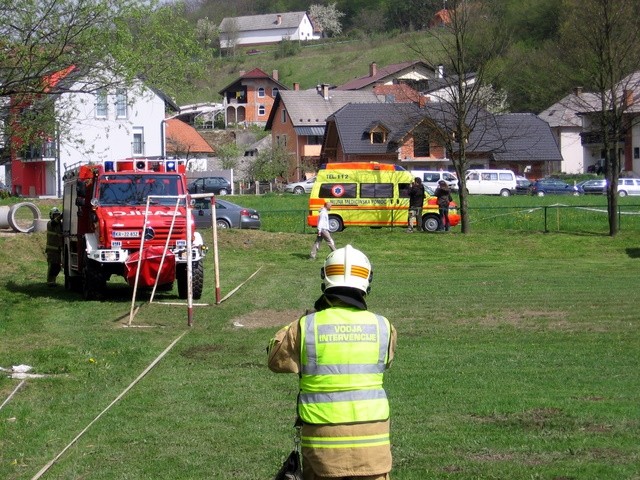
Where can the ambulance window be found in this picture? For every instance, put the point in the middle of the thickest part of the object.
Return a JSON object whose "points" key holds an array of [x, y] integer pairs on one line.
{"points": [[376, 190], [337, 190], [403, 190]]}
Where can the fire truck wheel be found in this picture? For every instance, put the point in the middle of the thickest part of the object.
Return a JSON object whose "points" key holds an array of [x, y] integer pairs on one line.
{"points": [[198, 280], [70, 283], [93, 283]]}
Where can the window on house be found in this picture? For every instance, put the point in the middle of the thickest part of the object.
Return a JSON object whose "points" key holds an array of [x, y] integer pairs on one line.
{"points": [[101, 103], [121, 103], [261, 92], [137, 146], [636, 152], [314, 140], [274, 92], [284, 116], [378, 135], [421, 144], [262, 110]]}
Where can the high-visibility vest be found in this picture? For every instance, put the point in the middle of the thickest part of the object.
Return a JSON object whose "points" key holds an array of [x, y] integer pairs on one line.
{"points": [[344, 352]]}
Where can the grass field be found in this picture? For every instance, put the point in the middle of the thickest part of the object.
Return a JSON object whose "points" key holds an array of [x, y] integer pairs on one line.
{"points": [[517, 354]]}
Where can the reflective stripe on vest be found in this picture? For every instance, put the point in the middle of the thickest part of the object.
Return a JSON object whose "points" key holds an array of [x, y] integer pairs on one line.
{"points": [[343, 357], [54, 240], [346, 442]]}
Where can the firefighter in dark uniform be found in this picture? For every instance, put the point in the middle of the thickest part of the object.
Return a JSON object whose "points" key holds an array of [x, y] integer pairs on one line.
{"points": [[53, 249]]}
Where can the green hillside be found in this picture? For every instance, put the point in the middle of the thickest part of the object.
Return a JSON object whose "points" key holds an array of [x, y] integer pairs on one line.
{"points": [[333, 63]]}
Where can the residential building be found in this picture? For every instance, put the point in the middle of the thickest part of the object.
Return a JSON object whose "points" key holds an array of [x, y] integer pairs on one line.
{"points": [[427, 81], [576, 126], [184, 142], [566, 126], [440, 19], [249, 99], [409, 135], [266, 29], [112, 123], [413, 73], [298, 119]]}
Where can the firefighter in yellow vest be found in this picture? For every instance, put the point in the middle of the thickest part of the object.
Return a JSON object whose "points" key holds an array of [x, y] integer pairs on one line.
{"points": [[53, 250], [340, 352]]}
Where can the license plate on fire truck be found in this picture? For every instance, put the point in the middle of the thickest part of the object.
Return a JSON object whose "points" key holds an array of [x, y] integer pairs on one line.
{"points": [[126, 234]]}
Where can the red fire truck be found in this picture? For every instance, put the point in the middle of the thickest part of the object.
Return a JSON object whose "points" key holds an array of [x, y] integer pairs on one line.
{"points": [[106, 221]]}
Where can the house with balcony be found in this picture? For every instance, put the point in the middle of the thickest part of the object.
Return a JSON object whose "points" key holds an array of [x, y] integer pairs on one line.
{"points": [[411, 135], [298, 120], [575, 123], [108, 124], [266, 29], [250, 98], [566, 124]]}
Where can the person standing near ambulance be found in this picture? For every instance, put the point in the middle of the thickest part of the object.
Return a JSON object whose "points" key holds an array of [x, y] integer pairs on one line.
{"points": [[340, 353], [323, 231], [443, 194], [416, 200]]}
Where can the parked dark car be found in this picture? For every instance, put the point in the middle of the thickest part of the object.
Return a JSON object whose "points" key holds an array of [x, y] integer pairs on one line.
{"points": [[522, 186], [553, 186], [215, 185], [596, 186], [228, 214]]}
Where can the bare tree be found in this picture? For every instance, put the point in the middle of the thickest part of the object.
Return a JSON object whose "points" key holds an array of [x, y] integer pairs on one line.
{"points": [[464, 47], [602, 39]]}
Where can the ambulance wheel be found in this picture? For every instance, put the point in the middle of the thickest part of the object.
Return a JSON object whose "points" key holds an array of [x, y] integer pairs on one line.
{"points": [[197, 273], [430, 223], [335, 224]]}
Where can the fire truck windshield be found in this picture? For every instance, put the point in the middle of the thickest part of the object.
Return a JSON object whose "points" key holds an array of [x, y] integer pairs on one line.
{"points": [[133, 189]]}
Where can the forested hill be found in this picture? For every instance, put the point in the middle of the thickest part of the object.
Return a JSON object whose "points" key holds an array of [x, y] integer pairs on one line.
{"points": [[534, 73]]}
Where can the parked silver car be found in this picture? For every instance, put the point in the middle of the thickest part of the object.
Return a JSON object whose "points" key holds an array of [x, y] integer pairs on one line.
{"points": [[228, 215], [300, 187]]}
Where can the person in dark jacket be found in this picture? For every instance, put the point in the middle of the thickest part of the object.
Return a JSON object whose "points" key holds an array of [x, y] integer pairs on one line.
{"points": [[53, 249], [416, 200], [443, 194]]}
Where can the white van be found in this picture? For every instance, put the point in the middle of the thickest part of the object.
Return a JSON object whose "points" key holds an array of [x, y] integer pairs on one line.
{"points": [[430, 178], [491, 182]]}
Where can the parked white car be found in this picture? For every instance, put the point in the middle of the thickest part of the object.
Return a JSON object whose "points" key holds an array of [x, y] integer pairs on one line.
{"points": [[628, 186], [430, 178], [491, 182], [300, 187]]}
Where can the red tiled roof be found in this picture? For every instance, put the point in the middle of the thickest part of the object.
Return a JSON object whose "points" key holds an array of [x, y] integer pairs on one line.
{"points": [[255, 73], [380, 74], [402, 92], [183, 138]]}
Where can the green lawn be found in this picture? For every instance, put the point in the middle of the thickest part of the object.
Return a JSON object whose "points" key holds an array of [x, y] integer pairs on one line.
{"points": [[517, 355]]}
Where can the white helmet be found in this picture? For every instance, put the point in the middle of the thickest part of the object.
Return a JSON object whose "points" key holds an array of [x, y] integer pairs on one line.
{"points": [[347, 267]]}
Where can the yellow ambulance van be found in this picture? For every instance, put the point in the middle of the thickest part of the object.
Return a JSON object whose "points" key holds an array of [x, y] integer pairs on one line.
{"points": [[369, 194]]}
